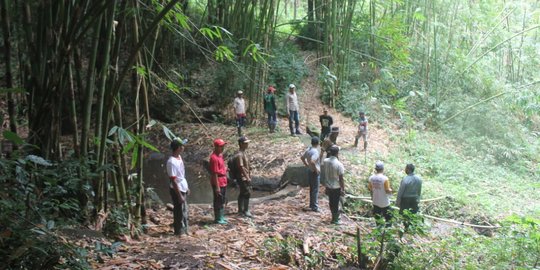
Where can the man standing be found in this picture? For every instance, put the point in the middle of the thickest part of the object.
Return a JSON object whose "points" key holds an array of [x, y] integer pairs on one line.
{"points": [[379, 186], [332, 171], [362, 130], [292, 110], [270, 108], [409, 192], [311, 160], [218, 180], [178, 187], [240, 111], [326, 124], [243, 177]]}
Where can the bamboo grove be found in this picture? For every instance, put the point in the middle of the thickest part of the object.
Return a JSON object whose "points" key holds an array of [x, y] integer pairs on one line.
{"points": [[75, 66]]}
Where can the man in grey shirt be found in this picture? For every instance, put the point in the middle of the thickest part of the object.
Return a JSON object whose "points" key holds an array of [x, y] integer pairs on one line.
{"points": [[311, 160], [409, 191], [293, 110]]}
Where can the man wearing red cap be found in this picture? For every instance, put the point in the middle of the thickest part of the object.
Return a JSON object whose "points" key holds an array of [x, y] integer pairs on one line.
{"points": [[270, 108], [218, 180]]}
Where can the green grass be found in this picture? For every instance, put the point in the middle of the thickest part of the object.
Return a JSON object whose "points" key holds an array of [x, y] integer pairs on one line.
{"points": [[495, 190]]}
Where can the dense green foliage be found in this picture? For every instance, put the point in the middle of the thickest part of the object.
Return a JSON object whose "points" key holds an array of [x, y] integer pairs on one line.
{"points": [[34, 208]]}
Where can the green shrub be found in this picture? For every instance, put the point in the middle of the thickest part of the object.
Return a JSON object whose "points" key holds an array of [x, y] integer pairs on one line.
{"points": [[38, 198]]}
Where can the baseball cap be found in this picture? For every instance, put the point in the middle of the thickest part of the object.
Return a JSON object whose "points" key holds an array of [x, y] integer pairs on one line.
{"points": [[334, 149], [240, 92], [314, 140], [243, 139], [379, 165], [219, 142], [292, 86]]}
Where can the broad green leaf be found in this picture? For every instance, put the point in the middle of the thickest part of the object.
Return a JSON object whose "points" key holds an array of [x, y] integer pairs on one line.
{"points": [[13, 137], [38, 160]]}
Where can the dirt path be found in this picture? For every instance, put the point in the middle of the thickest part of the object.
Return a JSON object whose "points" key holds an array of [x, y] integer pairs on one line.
{"points": [[247, 243]]}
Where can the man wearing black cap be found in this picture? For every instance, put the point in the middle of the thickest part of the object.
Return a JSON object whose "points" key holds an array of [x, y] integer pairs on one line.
{"points": [[311, 160], [326, 124], [243, 177], [332, 171], [178, 187]]}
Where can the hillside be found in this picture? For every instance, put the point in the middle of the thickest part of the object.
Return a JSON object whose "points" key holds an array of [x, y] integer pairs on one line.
{"points": [[279, 218]]}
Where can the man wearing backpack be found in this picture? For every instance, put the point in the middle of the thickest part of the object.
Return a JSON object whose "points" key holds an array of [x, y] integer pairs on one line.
{"points": [[242, 173], [270, 108]]}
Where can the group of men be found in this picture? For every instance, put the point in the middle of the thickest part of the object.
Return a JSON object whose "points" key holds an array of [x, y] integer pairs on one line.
{"points": [[329, 170], [293, 114], [270, 108], [219, 171]]}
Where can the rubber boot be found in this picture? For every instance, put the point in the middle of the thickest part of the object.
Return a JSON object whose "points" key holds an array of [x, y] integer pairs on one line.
{"points": [[272, 127], [241, 206], [239, 129], [365, 146], [246, 209], [222, 216], [355, 142], [335, 219], [219, 216]]}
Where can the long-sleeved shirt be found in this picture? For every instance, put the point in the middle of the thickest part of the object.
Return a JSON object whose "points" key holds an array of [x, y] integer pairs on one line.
{"points": [[410, 187], [292, 102]]}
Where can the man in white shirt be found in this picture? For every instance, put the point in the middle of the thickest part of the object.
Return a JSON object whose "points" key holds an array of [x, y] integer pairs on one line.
{"points": [[178, 187], [380, 189], [240, 111], [292, 110], [311, 160], [332, 171]]}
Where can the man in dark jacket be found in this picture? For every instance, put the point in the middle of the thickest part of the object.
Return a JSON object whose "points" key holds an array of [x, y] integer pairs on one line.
{"points": [[409, 192]]}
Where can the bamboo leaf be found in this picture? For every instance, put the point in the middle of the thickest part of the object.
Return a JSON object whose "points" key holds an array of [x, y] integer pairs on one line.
{"points": [[135, 156], [168, 133], [146, 144], [112, 131]]}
